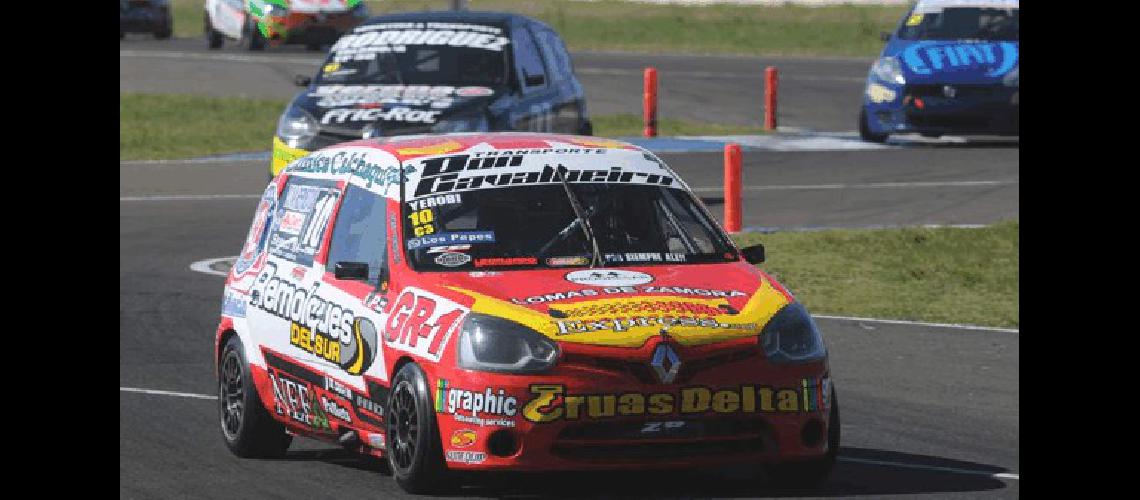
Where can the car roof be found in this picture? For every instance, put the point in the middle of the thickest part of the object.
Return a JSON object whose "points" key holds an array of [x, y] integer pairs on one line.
{"points": [[450, 16], [932, 6]]}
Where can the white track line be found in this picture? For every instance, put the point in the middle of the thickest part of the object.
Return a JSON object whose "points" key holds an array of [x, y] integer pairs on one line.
{"points": [[998, 475], [167, 393], [918, 323], [904, 465], [190, 197], [204, 266]]}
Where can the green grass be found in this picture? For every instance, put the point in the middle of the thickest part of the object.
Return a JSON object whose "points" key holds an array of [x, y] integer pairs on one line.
{"points": [[845, 30], [155, 127], [943, 275], [168, 126]]}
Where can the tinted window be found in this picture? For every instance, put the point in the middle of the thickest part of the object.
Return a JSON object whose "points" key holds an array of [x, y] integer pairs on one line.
{"points": [[527, 58], [301, 219], [963, 23], [360, 234]]}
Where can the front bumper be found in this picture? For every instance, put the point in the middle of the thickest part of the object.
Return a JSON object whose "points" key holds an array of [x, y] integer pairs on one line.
{"points": [[935, 109], [283, 155], [590, 417]]}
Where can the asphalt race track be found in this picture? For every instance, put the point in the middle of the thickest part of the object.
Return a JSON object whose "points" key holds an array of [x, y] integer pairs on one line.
{"points": [[926, 409]]}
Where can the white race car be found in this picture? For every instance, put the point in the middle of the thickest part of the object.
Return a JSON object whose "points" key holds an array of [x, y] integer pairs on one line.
{"points": [[257, 23]]}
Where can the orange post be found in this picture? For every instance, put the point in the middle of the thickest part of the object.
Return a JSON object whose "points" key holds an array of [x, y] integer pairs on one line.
{"points": [[649, 104], [732, 180], [770, 85]]}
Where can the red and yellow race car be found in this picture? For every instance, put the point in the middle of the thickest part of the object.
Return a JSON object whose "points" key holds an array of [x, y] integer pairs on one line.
{"points": [[513, 301]]}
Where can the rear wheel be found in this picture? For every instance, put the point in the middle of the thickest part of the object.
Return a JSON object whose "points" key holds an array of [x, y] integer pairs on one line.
{"points": [[414, 450], [810, 473], [248, 430], [313, 46], [865, 130]]}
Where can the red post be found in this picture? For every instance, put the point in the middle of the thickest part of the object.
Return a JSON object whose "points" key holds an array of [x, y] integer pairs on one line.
{"points": [[732, 180], [649, 105], [770, 98]]}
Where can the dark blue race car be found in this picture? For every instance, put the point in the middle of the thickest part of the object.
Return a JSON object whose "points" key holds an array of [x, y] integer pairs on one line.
{"points": [[146, 16], [952, 67]]}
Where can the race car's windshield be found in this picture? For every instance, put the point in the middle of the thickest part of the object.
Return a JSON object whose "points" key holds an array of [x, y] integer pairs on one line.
{"points": [[535, 227], [963, 23], [419, 54]]}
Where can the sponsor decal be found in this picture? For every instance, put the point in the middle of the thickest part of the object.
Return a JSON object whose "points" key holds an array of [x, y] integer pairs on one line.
{"points": [[352, 163], [396, 114], [615, 290], [365, 42], [467, 457], [317, 325], [489, 407], [608, 277], [451, 248], [435, 201], [393, 230], [452, 259], [435, 149], [233, 304], [296, 398], [463, 438], [291, 222], [626, 323], [256, 240], [567, 261], [484, 274], [447, 174], [453, 238], [334, 409], [344, 402], [307, 209], [928, 57], [421, 323], [506, 261], [645, 257], [914, 20], [552, 402], [473, 92], [376, 441], [627, 307]]}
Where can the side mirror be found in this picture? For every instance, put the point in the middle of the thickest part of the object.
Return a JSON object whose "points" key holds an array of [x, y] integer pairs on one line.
{"points": [[885, 36], [535, 80], [351, 271], [302, 80], [753, 254]]}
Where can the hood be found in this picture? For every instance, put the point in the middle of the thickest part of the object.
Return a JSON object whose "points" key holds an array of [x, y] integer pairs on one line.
{"points": [[347, 109], [625, 307], [955, 62]]}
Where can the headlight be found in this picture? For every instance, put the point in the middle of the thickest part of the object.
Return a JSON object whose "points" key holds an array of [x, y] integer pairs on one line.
{"points": [[469, 123], [889, 70], [275, 10], [493, 344], [792, 337], [296, 127], [1012, 78]]}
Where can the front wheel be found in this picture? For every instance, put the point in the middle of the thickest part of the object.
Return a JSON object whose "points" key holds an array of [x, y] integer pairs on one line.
{"points": [[254, 40], [214, 38], [414, 450], [810, 473], [248, 430], [865, 130]]}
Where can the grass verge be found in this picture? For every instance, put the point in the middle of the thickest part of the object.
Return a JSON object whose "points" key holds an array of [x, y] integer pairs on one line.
{"points": [[157, 127], [939, 274], [168, 126], [843, 30]]}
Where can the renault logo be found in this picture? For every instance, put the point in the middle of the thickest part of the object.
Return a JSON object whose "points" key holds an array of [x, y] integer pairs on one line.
{"points": [[665, 363]]}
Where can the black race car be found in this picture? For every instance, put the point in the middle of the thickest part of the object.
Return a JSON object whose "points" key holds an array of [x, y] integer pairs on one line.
{"points": [[146, 16], [434, 72]]}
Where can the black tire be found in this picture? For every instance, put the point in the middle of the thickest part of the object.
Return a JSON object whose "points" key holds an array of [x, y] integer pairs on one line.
{"points": [[163, 33], [122, 34], [247, 428], [253, 38], [415, 454], [214, 38], [865, 130], [810, 473], [313, 47], [587, 128]]}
